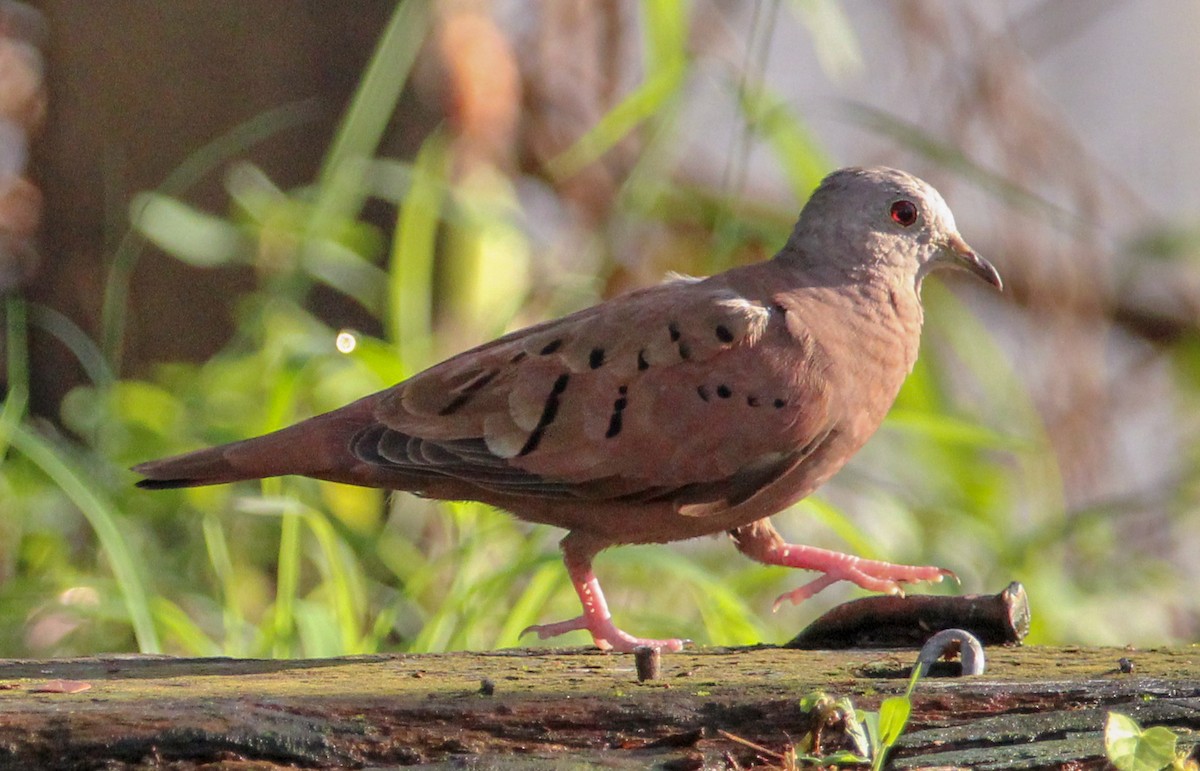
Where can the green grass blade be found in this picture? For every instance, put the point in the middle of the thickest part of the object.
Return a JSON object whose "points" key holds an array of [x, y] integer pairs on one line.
{"points": [[102, 516], [178, 625], [801, 158], [75, 340], [316, 627], [666, 27], [341, 188], [893, 716], [339, 572], [832, 36], [346, 271], [287, 578], [234, 142], [410, 282], [222, 564], [857, 542], [190, 235], [16, 368], [651, 97], [381, 628], [941, 427], [287, 575], [546, 581]]}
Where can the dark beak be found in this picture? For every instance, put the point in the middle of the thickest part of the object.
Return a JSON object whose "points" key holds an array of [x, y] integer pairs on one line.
{"points": [[963, 256]]}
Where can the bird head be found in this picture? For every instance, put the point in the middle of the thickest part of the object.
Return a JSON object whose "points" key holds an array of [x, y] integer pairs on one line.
{"points": [[891, 221]]}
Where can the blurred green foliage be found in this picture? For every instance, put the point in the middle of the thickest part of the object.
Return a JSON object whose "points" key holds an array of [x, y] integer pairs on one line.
{"points": [[297, 567]]}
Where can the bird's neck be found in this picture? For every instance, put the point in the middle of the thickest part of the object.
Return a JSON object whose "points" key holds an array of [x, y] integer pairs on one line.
{"points": [[875, 275], [878, 299]]}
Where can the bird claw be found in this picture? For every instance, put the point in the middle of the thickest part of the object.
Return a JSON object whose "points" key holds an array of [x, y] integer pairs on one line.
{"points": [[799, 595], [870, 575], [605, 634], [546, 631]]}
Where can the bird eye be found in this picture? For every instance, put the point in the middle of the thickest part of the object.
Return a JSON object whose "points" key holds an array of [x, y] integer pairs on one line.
{"points": [[904, 212]]}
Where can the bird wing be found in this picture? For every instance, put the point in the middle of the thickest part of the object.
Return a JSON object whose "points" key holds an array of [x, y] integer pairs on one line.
{"points": [[686, 386]]}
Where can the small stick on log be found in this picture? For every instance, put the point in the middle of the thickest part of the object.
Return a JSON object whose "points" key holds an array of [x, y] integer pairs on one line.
{"points": [[895, 622]]}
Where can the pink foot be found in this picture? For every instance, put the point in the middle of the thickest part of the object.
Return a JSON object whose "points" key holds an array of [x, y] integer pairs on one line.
{"points": [[596, 618], [605, 634], [869, 574], [759, 541]]}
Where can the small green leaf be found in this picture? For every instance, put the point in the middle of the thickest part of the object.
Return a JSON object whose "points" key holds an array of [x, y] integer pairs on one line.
{"points": [[253, 192], [187, 234], [1166, 241], [649, 98], [839, 758], [814, 701], [1130, 748], [832, 36], [939, 426], [893, 716], [801, 158], [857, 733], [340, 191], [869, 722], [343, 269]]}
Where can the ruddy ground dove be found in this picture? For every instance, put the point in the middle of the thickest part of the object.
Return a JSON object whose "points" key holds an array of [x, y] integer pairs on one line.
{"points": [[694, 407]]}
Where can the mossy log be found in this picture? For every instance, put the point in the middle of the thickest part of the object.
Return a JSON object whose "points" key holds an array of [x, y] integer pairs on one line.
{"points": [[1036, 707]]}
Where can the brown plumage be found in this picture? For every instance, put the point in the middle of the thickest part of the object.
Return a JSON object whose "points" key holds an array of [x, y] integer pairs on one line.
{"points": [[689, 408]]}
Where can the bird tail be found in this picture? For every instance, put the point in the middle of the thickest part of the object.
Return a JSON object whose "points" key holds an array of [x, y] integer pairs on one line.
{"points": [[319, 446]]}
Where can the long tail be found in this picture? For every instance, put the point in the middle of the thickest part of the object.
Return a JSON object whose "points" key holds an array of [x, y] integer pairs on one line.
{"points": [[319, 446]]}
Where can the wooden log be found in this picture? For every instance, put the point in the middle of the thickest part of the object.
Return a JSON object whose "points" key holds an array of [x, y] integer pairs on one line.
{"points": [[1035, 707]]}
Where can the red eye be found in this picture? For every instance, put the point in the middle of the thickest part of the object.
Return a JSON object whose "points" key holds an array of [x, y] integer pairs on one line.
{"points": [[904, 212]]}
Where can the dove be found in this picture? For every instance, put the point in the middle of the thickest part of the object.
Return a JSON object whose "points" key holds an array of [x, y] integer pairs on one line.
{"points": [[690, 408]]}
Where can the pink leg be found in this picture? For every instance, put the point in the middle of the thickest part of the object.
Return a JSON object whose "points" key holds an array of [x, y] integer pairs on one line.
{"points": [[577, 556], [760, 542]]}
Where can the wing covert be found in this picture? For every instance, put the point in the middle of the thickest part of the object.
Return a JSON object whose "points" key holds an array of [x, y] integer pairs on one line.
{"points": [[670, 389]]}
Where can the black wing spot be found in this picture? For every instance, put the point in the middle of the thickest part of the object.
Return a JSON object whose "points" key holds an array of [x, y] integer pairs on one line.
{"points": [[549, 412], [518, 358], [703, 391], [780, 404], [623, 390], [532, 442], [614, 421], [685, 352], [752, 401], [480, 382], [596, 358], [724, 392], [643, 365], [723, 334], [673, 329], [467, 392], [551, 347], [455, 404]]}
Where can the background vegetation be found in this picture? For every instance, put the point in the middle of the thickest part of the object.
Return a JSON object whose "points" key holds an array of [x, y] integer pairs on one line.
{"points": [[503, 217]]}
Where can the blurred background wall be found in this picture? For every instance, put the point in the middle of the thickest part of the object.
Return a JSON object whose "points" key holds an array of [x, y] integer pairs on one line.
{"points": [[134, 89]]}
